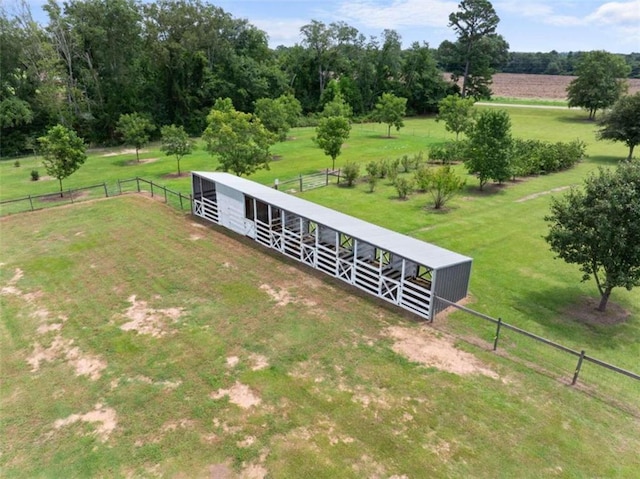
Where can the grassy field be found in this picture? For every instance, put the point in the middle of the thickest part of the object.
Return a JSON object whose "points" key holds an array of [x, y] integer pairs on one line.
{"points": [[135, 342]]}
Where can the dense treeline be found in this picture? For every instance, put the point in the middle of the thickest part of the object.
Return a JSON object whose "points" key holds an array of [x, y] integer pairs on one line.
{"points": [[554, 63], [169, 61]]}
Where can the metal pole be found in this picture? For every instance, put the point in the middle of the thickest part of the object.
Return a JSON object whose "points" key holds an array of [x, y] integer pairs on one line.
{"points": [[180, 196], [495, 340], [106, 193], [578, 367], [138, 183], [31, 202], [300, 182], [165, 194]]}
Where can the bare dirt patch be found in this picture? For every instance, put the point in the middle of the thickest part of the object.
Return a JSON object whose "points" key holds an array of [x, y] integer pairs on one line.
{"points": [[60, 348], [542, 193], [585, 311], [258, 362], [125, 151], [105, 419], [146, 320], [239, 394], [282, 296], [425, 347]]}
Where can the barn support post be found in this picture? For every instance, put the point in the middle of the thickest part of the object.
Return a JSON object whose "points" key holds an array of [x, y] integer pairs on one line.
{"points": [[578, 367], [497, 336]]}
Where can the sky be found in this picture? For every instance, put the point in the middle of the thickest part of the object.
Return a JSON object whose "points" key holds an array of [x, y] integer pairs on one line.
{"points": [[527, 25]]}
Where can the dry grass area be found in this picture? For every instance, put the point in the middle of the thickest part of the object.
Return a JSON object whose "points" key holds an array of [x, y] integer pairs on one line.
{"points": [[551, 87]]}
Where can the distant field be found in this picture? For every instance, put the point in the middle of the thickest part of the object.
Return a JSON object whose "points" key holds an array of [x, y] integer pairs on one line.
{"points": [[552, 87]]}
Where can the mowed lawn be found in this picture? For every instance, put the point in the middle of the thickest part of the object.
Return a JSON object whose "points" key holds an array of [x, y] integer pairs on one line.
{"points": [[135, 342]]}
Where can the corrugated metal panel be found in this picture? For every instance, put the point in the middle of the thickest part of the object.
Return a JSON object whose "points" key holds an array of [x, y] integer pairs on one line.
{"points": [[421, 252]]}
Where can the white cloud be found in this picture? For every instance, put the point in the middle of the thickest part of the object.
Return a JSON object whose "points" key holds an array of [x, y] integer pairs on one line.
{"points": [[399, 13], [281, 31], [618, 13]]}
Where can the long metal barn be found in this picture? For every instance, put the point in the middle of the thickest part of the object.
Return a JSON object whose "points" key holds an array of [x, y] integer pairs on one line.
{"points": [[397, 268]]}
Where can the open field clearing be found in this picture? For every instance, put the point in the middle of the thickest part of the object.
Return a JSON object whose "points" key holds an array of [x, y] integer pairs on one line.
{"points": [[553, 87], [139, 343]]}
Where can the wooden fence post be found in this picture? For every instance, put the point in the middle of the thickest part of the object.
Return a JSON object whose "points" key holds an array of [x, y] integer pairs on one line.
{"points": [[138, 183], [495, 340], [31, 202], [106, 193], [578, 367]]}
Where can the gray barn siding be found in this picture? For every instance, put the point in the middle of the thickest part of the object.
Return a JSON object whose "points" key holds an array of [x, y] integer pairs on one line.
{"points": [[394, 267]]}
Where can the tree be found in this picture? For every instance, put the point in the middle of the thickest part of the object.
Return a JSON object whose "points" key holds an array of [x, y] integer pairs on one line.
{"points": [[135, 130], [337, 106], [442, 184], [622, 123], [457, 114], [489, 147], [176, 142], [391, 110], [331, 133], [239, 139], [278, 115], [63, 152], [599, 229], [475, 24], [601, 80]]}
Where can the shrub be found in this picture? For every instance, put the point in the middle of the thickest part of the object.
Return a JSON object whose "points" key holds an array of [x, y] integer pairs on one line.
{"points": [[373, 168], [530, 157], [392, 170], [404, 186], [350, 172], [383, 168], [16, 163], [406, 162], [449, 152], [372, 181], [35, 176], [422, 178], [444, 184]]}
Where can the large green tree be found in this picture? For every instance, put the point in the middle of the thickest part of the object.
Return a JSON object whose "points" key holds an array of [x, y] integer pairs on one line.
{"points": [[489, 147], [279, 115], [478, 48], [598, 228], [240, 140], [601, 80], [63, 152], [622, 123], [331, 133], [391, 110], [457, 113]]}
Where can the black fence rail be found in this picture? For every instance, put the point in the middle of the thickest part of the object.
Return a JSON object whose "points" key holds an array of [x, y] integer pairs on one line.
{"points": [[571, 366], [171, 197], [48, 200]]}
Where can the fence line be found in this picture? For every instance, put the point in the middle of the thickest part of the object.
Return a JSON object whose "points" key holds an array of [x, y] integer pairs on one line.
{"points": [[582, 356], [310, 181], [177, 199]]}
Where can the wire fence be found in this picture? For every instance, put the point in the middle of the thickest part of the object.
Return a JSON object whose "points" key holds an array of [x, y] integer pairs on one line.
{"points": [[570, 366], [103, 190], [308, 182]]}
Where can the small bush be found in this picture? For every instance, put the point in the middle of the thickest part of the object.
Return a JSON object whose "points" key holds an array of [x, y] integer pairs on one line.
{"points": [[406, 162], [35, 176], [383, 168], [404, 186], [422, 178], [444, 184], [449, 152], [373, 168], [16, 163], [372, 181], [350, 172]]}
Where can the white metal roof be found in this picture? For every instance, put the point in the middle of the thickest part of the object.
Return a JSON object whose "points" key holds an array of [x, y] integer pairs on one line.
{"points": [[410, 248]]}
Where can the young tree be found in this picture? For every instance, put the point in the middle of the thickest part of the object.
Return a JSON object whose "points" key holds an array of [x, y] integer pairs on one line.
{"points": [[622, 123], [63, 152], [442, 184], [239, 139], [489, 147], [135, 130], [337, 106], [599, 229], [601, 80], [391, 110], [351, 171], [457, 114], [331, 133], [176, 142], [475, 24], [279, 115]]}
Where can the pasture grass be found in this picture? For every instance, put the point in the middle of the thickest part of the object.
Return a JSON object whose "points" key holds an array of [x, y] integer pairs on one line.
{"points": [[84, 262], [335, 399]]}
